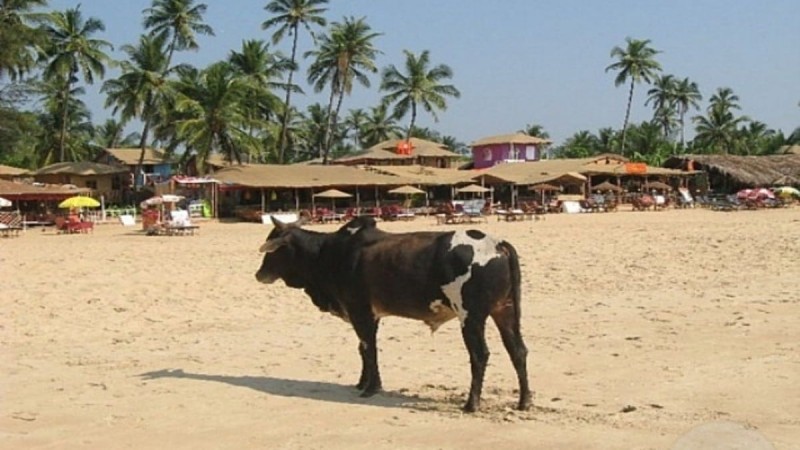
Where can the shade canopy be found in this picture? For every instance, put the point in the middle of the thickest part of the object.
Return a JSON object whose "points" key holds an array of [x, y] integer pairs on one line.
{"points": [[658, 185], [407, 190], [606, 186], [4, 203], [161, 199], [79, 201], [332, 193], [542, 187], [473, 188]]}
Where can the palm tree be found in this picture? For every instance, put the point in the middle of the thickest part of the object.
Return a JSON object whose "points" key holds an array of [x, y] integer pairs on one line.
{"points": [[18, 38], [51, 145], [754, 138], [662, 95], [288, 16], [141, 87], [71, 51], [345, 55], [686, 95], [634, 63], [354, 123], [580, 145], [262, 70], [536, 130], [419, 85], [718, 130], [214, 120], [724, 99], [379, 126], [179, 21], [111, 135]]}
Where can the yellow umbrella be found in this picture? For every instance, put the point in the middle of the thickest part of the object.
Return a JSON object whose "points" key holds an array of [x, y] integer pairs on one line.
{"points": [[79, 201]]}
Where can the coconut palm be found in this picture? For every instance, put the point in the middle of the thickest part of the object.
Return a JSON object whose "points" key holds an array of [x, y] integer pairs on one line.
{"points": [[111, 134], [419, 85], [536, 130], [288, 17], [17, 37], [717, 132], [354, 124], [71, 51], [635, 64], [141, 87], [724, 99], [379, 126], [179, 21], [51, 144], [754, 138], [580, 145], [213, 119], [686, 95], [263, 71], [662, 96], [345, 55]]}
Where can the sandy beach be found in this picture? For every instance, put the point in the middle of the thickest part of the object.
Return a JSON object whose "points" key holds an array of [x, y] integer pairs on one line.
{"points": [[640, 326]]}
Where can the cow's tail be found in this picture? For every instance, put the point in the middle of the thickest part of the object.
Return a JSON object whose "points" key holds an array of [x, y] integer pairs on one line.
{"points": [[516, 280]]}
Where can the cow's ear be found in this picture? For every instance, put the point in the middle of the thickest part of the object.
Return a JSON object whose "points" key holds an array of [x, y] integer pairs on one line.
{"points": [[271, 245]]}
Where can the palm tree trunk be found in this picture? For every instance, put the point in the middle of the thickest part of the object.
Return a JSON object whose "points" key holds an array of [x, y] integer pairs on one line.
{"points": [[325, 150], [335, 119], [683, 137], [62, 139], [627, 116], [286, 104], [413, 121], [142, 147]]}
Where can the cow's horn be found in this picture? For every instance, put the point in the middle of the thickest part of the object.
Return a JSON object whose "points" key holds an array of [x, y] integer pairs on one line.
{"points": [[278, 224]]}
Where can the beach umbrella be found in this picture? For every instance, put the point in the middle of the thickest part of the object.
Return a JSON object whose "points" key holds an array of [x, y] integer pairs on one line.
{"points": [[407, 190], [333, 194], [658, 185], [606, 186], [542, 187], [473, 189], [787, 191], [79, 201], [161, 199], [5, 203]]}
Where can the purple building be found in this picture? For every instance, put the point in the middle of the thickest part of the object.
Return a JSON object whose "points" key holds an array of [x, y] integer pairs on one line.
{"points": [[517, 147]]}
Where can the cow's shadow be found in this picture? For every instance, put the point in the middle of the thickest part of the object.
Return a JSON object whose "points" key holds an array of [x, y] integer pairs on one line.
{"points": [[315, 390]]}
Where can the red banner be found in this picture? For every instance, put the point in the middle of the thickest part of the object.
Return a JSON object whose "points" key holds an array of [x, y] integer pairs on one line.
{"points": [[635, 168]]}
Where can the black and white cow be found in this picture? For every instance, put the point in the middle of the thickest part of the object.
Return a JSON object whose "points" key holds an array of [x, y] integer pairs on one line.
{"points": [[361, 274]]}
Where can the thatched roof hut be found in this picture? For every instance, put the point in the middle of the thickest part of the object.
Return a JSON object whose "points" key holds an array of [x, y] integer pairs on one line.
{"points": [[9, 172], [742, 171], [514, 138], [79, 168], [38, 191], [274, 176], [428, 176], [423, 152]]}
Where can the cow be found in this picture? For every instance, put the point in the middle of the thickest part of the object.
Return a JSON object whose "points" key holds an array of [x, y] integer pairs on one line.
{"points": [[361, 274]]}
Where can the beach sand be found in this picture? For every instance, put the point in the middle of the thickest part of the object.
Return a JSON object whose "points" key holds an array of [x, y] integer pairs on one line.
{"points": [[640, 326]]}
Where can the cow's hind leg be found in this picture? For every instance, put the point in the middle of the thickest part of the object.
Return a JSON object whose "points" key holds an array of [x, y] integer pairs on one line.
{"points": [[505, 319], [366, 327], [473, 331]]}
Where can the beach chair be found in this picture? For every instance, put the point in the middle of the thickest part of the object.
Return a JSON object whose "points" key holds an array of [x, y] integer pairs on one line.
{"points": [[180, 224], [127, 220]]}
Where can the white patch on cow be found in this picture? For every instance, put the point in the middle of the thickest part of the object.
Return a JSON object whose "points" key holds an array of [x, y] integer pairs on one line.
{"points": [[353, 230], [484, 250], [436, 306]]}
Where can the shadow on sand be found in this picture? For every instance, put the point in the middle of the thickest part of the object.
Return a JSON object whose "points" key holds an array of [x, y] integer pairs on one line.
{"points": [[314, 390]]}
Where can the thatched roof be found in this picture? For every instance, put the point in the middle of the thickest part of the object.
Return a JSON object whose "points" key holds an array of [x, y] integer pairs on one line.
{"points": [[550, 170], [789, 149], [38, 191], [130, 156], [300, 176], [515, 138], [424, 175], [81, 168], [386, 151], [10, 171], [746, 170]]}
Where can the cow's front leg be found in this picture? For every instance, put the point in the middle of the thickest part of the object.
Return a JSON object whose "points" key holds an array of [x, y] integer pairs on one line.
{"points": [[366, 327], [473, 333]]}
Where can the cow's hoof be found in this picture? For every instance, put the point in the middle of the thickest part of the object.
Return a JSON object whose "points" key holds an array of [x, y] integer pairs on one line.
{"points": [[524, 405], [470, 407], [366, 393]]}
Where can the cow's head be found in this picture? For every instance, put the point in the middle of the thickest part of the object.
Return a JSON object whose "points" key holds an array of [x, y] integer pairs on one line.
{"points": [[282, 254]]}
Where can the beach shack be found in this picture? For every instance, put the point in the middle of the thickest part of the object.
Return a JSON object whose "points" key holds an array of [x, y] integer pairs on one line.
{"points": [[517, 147], [156, 166]]}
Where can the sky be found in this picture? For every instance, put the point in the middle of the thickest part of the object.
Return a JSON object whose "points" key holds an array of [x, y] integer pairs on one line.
{"points": [[520, 62]]}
